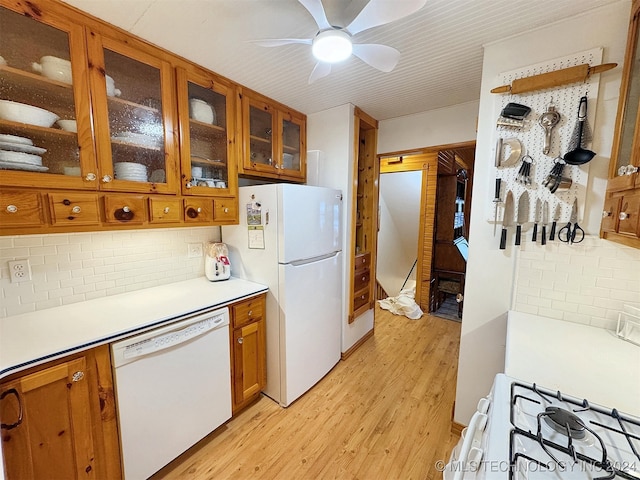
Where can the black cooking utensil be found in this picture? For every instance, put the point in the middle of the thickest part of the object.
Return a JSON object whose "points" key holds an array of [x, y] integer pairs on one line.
{"points": [[580, 155]]}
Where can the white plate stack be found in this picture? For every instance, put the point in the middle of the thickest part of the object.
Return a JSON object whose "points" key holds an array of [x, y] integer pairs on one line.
{"points": [[19, 153], [130, 171]]}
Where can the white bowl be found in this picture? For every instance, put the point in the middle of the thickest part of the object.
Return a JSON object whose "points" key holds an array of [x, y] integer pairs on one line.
{"points": [[202, 111], [54, 68], [23, 113], [19, 157], [112, 91], [68, 125]]}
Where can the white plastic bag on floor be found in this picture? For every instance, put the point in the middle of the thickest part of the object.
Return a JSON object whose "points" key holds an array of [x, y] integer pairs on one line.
{"points": [[403, 304]]}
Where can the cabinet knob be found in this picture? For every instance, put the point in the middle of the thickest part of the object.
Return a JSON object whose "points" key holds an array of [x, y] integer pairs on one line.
{"points": [[90, 177], [126, 209], [189, 185], [76, 209], [249, 313], [623, 216], [605, 214], [240, 340], [12, 209], [166, 210], [226, 210], [277, 166], [106, 179], [77, 376], [364, 278]]}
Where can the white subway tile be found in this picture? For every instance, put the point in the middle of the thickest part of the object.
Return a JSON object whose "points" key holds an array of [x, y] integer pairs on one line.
{"points": [[591, 310], [55, 239], [71, 282], [604, 323], [71, 248], [84, 288], [626, 296], [18, 309], [552, 294], [61, 292], [55, 302], [6, 242], [595, 292], [27, 241], [53, 275], [524, 308], [564, 306], [539, 302], [577, 318], [48, 250], [579, 298], [68, 299]]}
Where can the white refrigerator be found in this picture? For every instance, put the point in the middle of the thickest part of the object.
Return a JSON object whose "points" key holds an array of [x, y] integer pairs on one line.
{"points": [[289, 238]]}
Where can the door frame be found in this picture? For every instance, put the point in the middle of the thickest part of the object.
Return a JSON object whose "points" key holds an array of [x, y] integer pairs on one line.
{"points": [[425, 159]]}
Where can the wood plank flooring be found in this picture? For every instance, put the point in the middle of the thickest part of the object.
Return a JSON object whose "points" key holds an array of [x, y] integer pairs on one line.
{"points": [[384, 413]]}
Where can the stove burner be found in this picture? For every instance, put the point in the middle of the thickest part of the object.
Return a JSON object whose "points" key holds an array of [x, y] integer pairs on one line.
{"points": [[565, 422]]}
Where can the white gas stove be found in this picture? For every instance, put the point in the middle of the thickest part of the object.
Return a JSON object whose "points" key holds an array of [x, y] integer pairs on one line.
{"points": [[522, 431]]}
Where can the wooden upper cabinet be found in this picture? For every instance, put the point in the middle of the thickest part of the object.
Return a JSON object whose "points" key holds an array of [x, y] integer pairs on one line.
{"points": [[208, 150], [273, 139], [620, 215], [44, 74], [134, 116]]}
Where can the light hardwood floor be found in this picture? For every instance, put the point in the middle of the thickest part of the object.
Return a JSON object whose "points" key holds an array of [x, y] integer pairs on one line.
{"points": [[383, 413]]}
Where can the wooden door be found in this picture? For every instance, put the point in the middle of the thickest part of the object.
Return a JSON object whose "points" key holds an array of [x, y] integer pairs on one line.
{"points": [[249, 362], [134, 116], [208, 150], [291, 146], [46, 68], [47, 428], [258, 130]]}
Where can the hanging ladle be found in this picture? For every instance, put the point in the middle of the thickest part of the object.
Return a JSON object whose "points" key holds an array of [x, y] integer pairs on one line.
{"points": [[579, 155], [548, 120]]}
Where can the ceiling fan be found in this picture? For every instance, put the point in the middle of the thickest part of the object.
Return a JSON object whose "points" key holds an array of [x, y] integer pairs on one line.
{"points": [[334, 44]]}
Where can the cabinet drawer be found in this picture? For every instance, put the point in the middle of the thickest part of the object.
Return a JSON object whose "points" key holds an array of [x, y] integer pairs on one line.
{"points": [[74, 208], [20, 209], [629, 213], [225, 210], [125, 209], [198, 210], [362, 261], [247, 311], [610, 214], [360, 299], [164, 210], [361, 280]]}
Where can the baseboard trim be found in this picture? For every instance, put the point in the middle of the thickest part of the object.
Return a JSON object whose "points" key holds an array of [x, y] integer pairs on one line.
{"points": [[357, 345], [456, 428]]}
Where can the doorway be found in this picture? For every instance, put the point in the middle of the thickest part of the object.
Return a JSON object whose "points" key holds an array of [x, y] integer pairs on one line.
{"points": [[393, 265]]}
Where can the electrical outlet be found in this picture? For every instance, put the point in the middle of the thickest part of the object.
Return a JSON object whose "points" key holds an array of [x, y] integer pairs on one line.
{"points": [[20, 270], [194, 250]]}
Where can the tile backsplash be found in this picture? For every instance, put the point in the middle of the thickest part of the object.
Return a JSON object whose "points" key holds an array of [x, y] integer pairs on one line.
{"points": [[74, 267], [587, 282]]}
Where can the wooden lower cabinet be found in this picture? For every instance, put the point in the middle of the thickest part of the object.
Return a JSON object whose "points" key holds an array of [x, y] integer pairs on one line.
{"points": [[248, 352], [59, 420]]}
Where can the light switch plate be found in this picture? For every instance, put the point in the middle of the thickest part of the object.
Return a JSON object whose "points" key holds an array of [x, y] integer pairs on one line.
{"points": [[194, 250]]}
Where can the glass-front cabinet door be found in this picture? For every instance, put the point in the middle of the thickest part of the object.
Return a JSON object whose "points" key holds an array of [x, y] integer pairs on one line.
{"points": [[260, 129], [207, 140], [292, 149], [134, 109], [46, 137]]}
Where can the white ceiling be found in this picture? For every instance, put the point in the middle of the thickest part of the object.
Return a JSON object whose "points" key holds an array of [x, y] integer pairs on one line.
{"points": [[441, 46]]}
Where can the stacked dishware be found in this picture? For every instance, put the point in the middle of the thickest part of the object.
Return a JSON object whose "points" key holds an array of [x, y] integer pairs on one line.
{"points": [[134, 172], [19, 153]]}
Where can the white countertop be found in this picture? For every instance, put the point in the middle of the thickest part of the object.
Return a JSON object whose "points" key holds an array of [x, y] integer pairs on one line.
{"points": [[36, 337], [579, 360]]}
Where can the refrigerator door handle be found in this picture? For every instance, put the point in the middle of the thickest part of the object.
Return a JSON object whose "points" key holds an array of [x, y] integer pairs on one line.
{"points": [[304, 261]]}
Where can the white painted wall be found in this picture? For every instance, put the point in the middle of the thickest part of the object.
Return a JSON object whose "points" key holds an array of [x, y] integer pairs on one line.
{"points": [[332, 132], [398, 234], [490, 271], [427, 129]]}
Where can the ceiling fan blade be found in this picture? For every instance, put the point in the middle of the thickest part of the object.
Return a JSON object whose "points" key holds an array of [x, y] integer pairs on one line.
{"points": [[382, 57], [321, 69], [379, 12], [316, 10], [277, 42]]}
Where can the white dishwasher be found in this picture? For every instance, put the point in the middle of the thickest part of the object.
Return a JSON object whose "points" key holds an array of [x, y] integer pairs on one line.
{"points": [[173, 387]]}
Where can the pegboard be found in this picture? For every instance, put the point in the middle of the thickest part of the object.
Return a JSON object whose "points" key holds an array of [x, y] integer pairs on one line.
{"points": [[566, 100]]}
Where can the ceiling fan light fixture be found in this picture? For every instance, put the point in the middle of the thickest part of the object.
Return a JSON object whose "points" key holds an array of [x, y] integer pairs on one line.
{"points": [[332, 46]]}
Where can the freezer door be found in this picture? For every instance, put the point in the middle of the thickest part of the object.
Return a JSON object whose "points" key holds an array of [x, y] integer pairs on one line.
{"points": [[310, 313], [309, 222]]}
